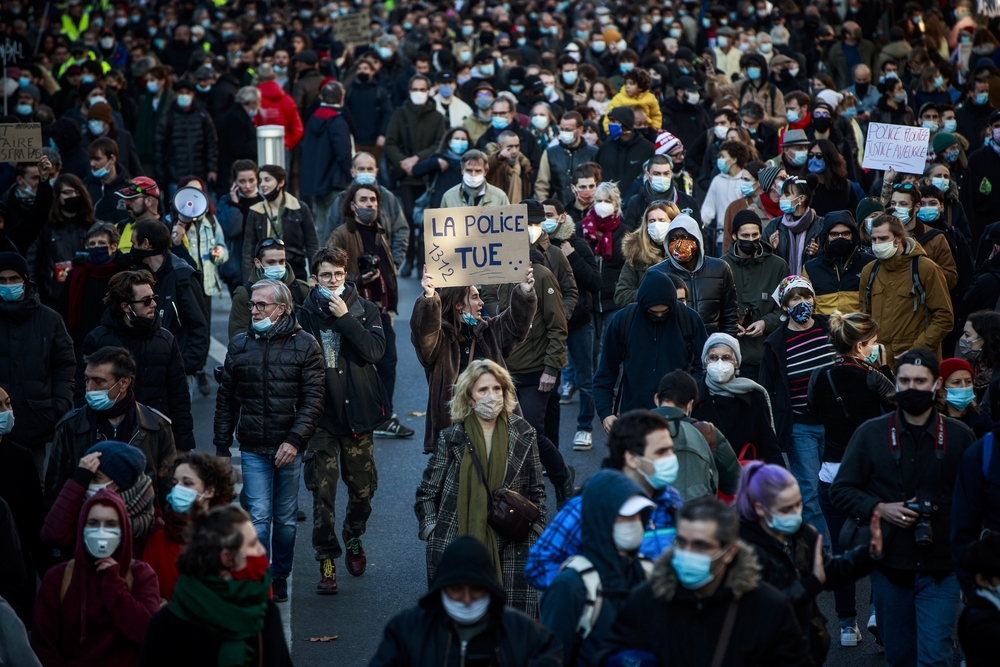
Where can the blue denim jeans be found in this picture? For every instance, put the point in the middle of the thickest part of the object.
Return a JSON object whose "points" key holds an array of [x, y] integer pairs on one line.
{"points": [[804, 462], [580, 345], [917, 625], [272, 496], [844, 597]]}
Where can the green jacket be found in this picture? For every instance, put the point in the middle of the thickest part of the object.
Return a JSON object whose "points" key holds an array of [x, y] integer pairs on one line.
{"points": [[756, 278], [413, 131], [725, 467], [239, 314], [545, 347]]}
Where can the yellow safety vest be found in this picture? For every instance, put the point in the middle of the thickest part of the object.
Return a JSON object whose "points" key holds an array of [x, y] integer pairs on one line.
{"points": [[74, 31]]}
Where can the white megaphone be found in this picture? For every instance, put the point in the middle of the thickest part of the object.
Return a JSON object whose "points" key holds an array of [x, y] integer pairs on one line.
{"points": [[190, 203]]}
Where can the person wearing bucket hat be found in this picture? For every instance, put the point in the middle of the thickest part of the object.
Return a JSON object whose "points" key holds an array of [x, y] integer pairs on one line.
{"points": [[754, 86], [622, 157]]}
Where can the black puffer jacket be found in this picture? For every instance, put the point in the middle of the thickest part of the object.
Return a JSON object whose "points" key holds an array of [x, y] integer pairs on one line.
{"points": [[186, 144], [356, 401], [50, 259], [182, 309], [160, 381], [272, 390], [37, 365], [622, 161]]}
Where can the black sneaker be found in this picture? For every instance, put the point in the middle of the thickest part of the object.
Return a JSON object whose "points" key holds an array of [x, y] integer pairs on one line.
{"points": [[391, 428], [300, 515], [407, 269], [203, 384], [567, 490], [279, 590]]}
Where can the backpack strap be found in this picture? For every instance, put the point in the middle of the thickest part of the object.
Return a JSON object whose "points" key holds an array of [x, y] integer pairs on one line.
{"points": [[866, 299], [987, 453], [595, 598], [836, 394], [919, 293], [67, 579]]}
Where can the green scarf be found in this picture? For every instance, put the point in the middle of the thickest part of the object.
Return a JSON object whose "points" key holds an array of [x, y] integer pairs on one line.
{"points": [[231, 611], [472, 497]]}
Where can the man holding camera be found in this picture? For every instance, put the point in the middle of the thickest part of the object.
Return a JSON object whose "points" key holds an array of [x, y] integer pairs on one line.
{"points": [[904, 465], [371, 269]]}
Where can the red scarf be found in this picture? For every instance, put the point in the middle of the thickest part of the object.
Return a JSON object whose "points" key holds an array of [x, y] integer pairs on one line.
{"points": [[78, 277], [770, 206], [592, 224]]}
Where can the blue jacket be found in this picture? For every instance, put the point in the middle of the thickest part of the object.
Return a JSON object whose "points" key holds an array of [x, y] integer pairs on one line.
{"points": [[326, 148]]}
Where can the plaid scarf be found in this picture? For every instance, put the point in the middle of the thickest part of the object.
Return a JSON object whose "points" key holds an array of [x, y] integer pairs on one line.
{"points": [[138, 500]]}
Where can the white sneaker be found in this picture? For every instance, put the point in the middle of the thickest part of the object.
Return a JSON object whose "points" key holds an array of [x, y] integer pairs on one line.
{"points": [[582, 441], [850, 636]]}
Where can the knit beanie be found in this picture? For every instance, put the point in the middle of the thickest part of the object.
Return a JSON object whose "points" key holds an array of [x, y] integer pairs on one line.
{"points": [[100, 111], [121, 462], [11, 261], [866, 207], [722, 339], [746, 217], [766, 177], [949, 366], [943, 140]]}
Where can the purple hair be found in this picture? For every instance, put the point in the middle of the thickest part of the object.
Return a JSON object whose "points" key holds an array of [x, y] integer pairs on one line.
{"points": [[760, 483]]}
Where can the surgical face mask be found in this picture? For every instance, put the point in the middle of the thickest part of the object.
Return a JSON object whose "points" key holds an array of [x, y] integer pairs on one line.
{"points": [[184, 101], [721, 131], [753, 73], [567, 137], [626, 67], [96, 127], [747, 188], [458, 146], [418, 97], [615, 131], [665, 471], [92, 489], [473, 182], [722, 164], [928, 213], [598, 47], [903, 214], [720, 371], [941, 183], [465, 614], [950, 124], [570, 77], [792, 115], [694, 570], [801, 312], [488, 408], [793, 72], [24, 81], [765, 48], [550, 225], [365, 178], [202, 89], [657, 231], [982, 98], [12, 292], [446, 91], [499, 123], [817, 165], [262, 325], [872, 357], [965, 349], [99, 401], [604, 209], [787, 205], [723, 41], [850, 112], [87, 78], [181, 498], [884, 250], [100, 173], [659, 183], [540, 122], [465, 56], [675, 33], [960, 397], [548, 91], [899, 98], [152, 86], [24, 109], [107, 42], [627, 536], [786, 524], [102, 542], [384, 52], [486, 70], [467, 30], [274, 272], [534, 233], [930, 125], [799, 157], [6, 422], [693, 98], [516, 88]]}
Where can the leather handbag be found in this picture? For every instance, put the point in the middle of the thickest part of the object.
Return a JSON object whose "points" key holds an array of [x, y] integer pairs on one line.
{"points": [[509, 513]]}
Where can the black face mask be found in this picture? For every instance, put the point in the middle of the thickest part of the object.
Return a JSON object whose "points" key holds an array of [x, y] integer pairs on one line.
{"points": [[366, 216], [141, 323], [915, 401], [662, 317], [822, 124], [99, 255], [363, 77], [862, 89], [748, 247], [273, 194], [137, 255], [73, 204], [840, 247]]}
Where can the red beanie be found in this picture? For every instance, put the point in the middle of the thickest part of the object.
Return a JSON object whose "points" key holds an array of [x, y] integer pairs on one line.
{"points": [[949, 366]]}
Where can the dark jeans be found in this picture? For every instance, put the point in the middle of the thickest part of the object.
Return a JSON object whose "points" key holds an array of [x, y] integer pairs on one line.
{"points": [[408, 195], [843, 597], [534, 406], [552, 412], [386, 366], [580, 345]]}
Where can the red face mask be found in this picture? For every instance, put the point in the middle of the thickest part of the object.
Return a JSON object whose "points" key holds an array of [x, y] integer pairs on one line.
{"points": [[255, 569]]}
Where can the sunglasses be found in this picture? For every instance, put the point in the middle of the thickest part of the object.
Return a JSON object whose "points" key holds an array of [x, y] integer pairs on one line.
{"points": [[903, 186], [148, 301]]}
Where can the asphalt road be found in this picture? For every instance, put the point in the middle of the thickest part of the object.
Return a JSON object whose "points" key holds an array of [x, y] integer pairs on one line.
{"points": [[396, 575]]}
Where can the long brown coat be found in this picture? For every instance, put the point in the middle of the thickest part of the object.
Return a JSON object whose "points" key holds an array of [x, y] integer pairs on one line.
{"points": [[440, 353], [437, 504]]}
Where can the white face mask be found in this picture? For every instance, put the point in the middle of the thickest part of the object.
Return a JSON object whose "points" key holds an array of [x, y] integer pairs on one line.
{"points": [[657, 231], [418, 97], [884, 250], [720, 371], [567, 137], [604, 208], [720, 131], [92, 489], [534, 233], [627, 536], [101, 542], [473, 182], [465, 614]]}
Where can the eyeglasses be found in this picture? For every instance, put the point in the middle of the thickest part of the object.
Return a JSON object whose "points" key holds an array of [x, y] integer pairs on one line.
{"points": [[259, 305], [326, 275], [726, 357], [840, 235], [148, 301]]}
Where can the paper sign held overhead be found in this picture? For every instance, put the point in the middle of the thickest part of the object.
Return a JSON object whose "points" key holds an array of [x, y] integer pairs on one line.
{"points": [[473, 245], [20, 142], [901, 147], [351, 28]]}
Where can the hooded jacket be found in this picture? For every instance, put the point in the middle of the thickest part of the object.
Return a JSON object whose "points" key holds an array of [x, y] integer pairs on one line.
{"points": [[835, 280], [679, 628], [622, 160], [356, 401], [638, 260], [652, 348], [278, 108], [711, 289], [160, 381], [904, 325], [686, 121], [755, 278], [101, 620], [565, 599], [426, 635], [272, 389]]}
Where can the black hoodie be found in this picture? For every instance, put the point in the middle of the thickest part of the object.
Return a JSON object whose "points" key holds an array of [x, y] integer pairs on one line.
{"points": [[836, 279]]}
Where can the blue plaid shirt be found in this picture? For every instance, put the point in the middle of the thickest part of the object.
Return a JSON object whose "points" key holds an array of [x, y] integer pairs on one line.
{"points": [[562, 537]]}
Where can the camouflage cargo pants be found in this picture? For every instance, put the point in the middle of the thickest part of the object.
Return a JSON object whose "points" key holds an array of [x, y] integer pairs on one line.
{"points": [[354, 457]]}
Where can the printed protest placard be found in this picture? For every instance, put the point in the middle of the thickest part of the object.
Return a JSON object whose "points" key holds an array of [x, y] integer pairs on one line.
{"points": [[901, 147], [20, 142], [473, 245], [351, 28]]}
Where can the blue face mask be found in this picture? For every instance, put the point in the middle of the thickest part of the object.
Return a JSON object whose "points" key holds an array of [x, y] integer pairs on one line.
{"points": [[938, 81], [951, 157], [100, 173], [850, 112], [499, 123], [665, 471], [202, 89], [274, 272], [982, 98], [721, 165], [263, 325], [801, 312], [486, 70], [99, 401], [152, 86], [384, 52], [786, 524], [446, 91], [6, 422], [181, 498], [365, 178], [941, 183], [903, 214], [626, 67], [950, 125], [792, 116], [786, 205], [24, 110], [799, 157], [24, 82], [872, 358], [694, 570], [549, 226], [928, 213], [458, 146], [99, 254], [469, 319], [746, 188], [817, 165], [960, 397], [614, 131], [753, 73], [516, 88], [324, 292], [685, 70], [12, 292]]}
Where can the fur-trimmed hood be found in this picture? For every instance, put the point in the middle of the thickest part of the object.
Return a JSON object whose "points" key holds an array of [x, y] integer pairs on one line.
{"points": [[565, 231], [742, 576]]}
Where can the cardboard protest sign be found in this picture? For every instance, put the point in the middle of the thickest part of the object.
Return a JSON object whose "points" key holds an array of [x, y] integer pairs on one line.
{"points": [[351, 28], [901, 147], [20, 142], [474, 245]]}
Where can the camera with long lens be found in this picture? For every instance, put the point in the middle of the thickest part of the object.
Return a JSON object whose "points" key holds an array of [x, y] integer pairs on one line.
{"points": [[923, 534], [367, 263]]}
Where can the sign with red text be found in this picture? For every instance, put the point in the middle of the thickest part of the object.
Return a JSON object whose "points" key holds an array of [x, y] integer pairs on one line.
{"points": [[473, 245], [902, 147]]}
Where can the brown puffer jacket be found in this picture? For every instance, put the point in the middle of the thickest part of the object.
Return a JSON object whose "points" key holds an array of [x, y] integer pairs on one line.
{"points": [[439, 350]]}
